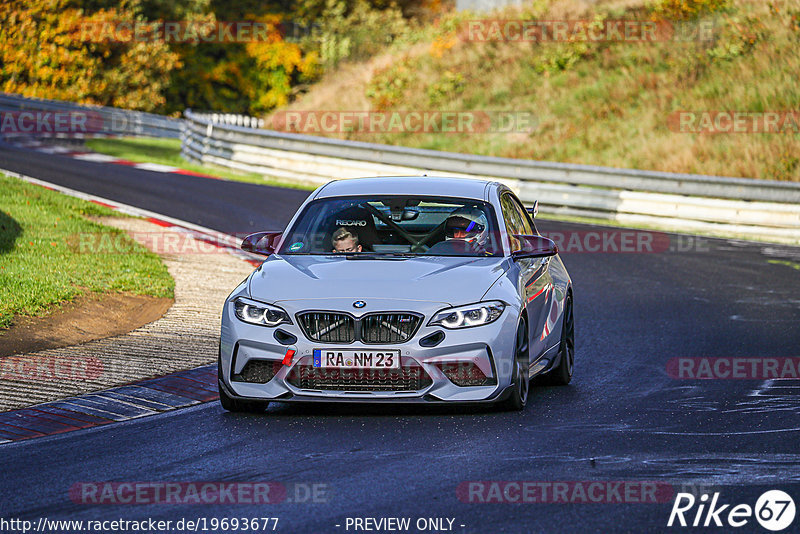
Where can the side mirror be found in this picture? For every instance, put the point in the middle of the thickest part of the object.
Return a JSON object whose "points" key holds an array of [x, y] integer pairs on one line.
{"points": [[261, 242], [535, 246], [534, 210]]}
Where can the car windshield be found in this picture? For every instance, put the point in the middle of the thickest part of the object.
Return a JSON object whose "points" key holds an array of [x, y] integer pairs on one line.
{"points": [[394, 226]]}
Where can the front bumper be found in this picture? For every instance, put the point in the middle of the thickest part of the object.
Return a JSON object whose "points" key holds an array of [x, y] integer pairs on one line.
{"points": [[489, 348], [498, 396]]}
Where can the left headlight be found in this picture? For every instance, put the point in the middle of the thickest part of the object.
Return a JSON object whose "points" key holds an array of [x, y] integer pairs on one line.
{"points": [[477, 314], [259, 313]]}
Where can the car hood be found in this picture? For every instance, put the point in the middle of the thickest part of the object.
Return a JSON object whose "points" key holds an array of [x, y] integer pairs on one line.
{"points": [[450, 280]]}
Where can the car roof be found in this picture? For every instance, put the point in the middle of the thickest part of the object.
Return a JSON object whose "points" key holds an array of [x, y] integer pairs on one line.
{"points": [[407, 185]]}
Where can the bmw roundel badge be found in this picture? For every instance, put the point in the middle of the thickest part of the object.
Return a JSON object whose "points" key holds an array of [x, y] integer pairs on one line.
{"points": [[359, 304]]}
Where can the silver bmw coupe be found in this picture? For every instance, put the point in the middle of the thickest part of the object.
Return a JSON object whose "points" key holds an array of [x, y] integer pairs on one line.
{"points": [[399, 289]]}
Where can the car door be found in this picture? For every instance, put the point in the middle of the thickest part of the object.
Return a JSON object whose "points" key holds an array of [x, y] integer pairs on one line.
{"points": [[535, 280]]}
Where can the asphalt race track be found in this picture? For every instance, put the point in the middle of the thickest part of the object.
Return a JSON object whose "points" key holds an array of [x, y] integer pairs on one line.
{"points": [[623, 418]]}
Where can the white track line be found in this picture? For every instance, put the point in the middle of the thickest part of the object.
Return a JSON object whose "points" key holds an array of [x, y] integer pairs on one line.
{"points": [[156, 167], [93, 156]]}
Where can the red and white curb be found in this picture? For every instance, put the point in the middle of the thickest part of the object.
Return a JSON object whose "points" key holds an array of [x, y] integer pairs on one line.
{"points": [[122, 403], [221, 240]]}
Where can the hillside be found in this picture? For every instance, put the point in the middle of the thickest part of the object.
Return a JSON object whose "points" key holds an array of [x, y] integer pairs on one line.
{"points": [[612, 101]]}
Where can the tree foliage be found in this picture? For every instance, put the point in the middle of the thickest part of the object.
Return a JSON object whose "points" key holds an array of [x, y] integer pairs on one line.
{"points": [[75, 50], [44, 53]]}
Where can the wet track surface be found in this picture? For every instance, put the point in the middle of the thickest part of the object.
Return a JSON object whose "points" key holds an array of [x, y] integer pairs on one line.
{"points": [[622, 418]]}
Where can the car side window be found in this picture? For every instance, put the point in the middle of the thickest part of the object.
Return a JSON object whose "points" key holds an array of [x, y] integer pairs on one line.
{"points": [[512, 219], [530, 229]]}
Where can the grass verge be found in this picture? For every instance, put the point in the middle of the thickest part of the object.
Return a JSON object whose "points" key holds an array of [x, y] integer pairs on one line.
{"points": [[168, 152], [40, 264]]}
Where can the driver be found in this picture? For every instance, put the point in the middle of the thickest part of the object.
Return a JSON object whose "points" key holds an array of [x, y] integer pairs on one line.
{"points": [[345, 241], [468, 225]]}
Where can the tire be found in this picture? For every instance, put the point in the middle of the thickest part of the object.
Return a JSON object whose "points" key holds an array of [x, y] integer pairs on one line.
{"points": [[562, 375], [237, 405], [520, 385]]}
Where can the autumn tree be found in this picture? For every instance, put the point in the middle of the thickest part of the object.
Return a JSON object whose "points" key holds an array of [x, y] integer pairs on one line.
{"points": [[50, 49]]}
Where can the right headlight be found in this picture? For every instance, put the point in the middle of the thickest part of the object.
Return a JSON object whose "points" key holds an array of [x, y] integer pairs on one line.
{"points": [[253, 312], [477, 314]]}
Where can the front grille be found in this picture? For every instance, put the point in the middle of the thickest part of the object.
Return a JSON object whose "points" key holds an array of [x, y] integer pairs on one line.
{"points": [[328, 327], [410, 378], [388, 327], [374, 328], [258, 371]]}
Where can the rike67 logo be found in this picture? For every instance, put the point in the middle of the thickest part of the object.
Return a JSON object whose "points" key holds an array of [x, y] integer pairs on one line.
{"points": [[774, 510]]}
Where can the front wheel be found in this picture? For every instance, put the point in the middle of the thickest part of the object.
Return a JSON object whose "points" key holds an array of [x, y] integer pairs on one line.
{"points": [[521, 381], [238, 405], [562, 375]]}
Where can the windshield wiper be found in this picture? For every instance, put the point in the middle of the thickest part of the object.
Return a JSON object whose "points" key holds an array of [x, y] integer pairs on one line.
{"points": [[381, 255]]}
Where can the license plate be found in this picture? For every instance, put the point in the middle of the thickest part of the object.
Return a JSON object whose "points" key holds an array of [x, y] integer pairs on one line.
{"points": [[356, 359]]}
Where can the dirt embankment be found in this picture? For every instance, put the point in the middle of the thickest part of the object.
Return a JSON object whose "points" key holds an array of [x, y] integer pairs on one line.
{"points": [[88, 317]]}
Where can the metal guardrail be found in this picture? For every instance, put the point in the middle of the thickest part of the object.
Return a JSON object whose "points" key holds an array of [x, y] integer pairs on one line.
{"points": [[103, 120], [763, 209], [712, 204]]}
